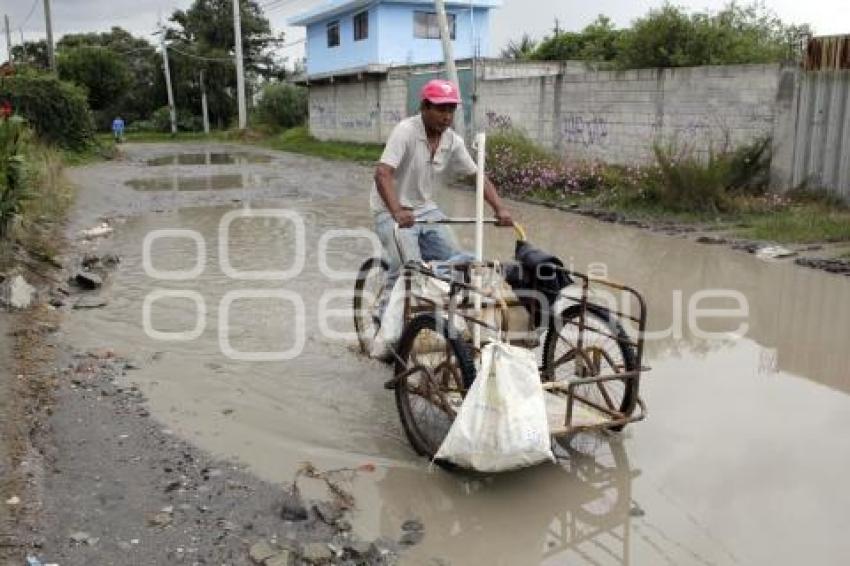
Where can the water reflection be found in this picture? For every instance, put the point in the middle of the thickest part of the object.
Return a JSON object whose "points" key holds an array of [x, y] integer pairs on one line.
{"points": [[578, 511], [222, 181], [800, 317], [209, 158]]}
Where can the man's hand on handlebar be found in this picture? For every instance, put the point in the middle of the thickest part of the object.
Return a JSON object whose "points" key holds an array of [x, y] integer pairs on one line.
{"points": [[404, 217], [503, 217]]}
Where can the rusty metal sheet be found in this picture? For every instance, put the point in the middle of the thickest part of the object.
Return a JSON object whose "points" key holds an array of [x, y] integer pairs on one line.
{"points": [[828, 53]]}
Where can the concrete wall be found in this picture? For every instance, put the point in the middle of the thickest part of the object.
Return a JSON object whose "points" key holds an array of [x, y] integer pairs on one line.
{"points": [[617, 116], [358, 111]]}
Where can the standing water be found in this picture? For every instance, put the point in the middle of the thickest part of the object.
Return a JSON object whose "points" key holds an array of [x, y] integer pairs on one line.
{"points": [[740, 460]]}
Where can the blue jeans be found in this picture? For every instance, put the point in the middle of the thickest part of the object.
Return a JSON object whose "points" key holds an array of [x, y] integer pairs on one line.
{"points": [[421, 242]]}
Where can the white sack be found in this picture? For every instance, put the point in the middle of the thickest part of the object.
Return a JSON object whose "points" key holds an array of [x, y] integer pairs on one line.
{"points": [[502, 423]]}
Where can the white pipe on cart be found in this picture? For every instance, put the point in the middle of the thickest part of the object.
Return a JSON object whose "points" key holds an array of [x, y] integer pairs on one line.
{"points": [[480, 142]]}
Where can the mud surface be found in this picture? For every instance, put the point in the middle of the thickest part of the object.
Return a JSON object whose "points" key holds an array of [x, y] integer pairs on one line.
{"points": [[740, 461]]}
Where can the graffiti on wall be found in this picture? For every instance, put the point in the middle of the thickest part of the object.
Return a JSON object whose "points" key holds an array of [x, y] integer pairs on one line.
{"points": [[327, 118], [584, 130], [322, 117], [496, 121]]}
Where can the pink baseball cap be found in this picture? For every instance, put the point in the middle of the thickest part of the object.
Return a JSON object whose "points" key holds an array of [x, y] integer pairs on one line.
{"points": [[439, 91]]}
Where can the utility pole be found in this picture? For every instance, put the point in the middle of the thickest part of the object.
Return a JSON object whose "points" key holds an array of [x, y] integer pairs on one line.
{"points": [[165, 68], [8, 40], [240, 71], [51, 56], [449, 56], [204, 111]]}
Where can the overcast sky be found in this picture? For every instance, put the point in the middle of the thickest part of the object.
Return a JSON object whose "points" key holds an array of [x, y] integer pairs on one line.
{"points": [[514, 18]]}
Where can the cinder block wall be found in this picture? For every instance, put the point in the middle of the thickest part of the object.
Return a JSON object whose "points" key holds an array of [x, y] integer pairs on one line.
{"points": [[612, 116], [616, 117], [357, 111]]}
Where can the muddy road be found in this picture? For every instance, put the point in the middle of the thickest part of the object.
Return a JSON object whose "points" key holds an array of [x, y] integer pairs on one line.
{"points": [[741, 460]]}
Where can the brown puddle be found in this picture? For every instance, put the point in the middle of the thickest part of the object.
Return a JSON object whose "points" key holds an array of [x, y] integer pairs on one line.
{"points": [[223, 181], [741, 460], [209, 158]]}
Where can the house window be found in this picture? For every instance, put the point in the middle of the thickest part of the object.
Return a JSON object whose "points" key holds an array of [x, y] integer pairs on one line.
{"points": [[361, 26], [425, 25], [333, 34]]}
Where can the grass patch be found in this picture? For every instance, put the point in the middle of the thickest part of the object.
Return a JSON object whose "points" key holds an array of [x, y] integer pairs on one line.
{"points": [[804, 223], [297, 140]]}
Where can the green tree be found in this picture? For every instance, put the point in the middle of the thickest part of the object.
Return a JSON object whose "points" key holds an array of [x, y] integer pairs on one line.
{"points": [[146, 92], [202, 37], [282, 106], [670, 37], [522, 49], [100, 70], [31, 54], [596, 42]]}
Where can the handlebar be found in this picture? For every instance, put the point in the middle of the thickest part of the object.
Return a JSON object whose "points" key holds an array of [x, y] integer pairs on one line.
{"points": [[518, 228]]}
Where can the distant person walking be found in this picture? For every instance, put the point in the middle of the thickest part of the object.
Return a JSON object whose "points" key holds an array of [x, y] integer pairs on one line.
{"points": [[118, 129]]}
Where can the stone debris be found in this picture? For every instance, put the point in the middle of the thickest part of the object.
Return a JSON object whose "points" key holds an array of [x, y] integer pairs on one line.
{"points": [[292, 506], [328, 512], [90, 302], [261, 551], [774, 252], [316, 553], [82, 537], [16, 293], [161, 519], [839, 266], [88, 280], [104, 229]]}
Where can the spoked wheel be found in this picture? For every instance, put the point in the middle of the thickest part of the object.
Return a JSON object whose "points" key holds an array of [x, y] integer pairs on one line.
{"points": [[368, 288], [434, 370], [601, 354]]}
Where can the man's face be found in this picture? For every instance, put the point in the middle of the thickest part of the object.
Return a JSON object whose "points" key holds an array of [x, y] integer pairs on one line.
{"points": [[438, 117]]}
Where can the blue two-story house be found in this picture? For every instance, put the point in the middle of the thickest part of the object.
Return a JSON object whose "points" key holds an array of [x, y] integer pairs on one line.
{"points": [[353, 35]]}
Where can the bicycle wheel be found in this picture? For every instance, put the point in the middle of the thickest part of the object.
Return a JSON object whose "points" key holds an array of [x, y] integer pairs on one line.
{"points": [[604, 352], [434, 369], [368, 289]]}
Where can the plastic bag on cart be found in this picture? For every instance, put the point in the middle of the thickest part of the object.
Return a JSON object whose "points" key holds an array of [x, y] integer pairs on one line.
{"points": [[392, 321], [502, 423]]}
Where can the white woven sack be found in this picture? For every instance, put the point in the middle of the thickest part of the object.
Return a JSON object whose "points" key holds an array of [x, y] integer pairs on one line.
{"points": [[392, 322], [502, 422]]}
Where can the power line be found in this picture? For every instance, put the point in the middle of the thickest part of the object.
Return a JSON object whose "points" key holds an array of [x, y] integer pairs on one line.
{"points": [[29, 15], [201, 57], [281, 4]]}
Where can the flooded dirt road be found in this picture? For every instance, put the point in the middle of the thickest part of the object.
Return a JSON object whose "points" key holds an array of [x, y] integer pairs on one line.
{"points": [[741, 460]]}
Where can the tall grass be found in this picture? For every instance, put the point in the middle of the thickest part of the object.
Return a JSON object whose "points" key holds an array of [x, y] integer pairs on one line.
{"points": [[13, 134], [34, 195]]}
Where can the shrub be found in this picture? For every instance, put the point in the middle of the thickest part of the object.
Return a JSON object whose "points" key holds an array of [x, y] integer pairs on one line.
{"points": [[282, 106], [13, 191], [56, 110], [517, 165], [160, 121]]}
